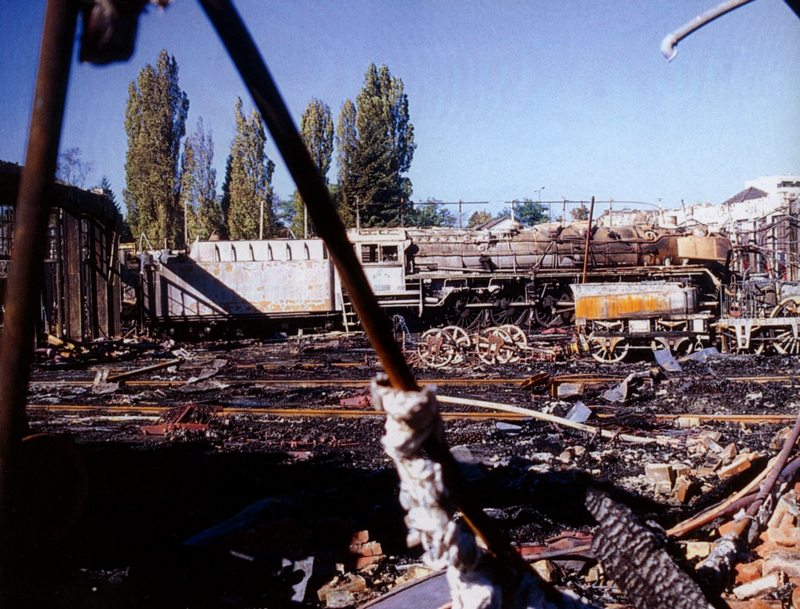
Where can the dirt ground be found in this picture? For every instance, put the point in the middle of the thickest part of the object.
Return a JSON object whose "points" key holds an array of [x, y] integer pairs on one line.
{"points": [[312, 483]]}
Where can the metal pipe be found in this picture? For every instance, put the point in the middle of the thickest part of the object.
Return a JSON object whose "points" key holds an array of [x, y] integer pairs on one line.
{"points": [[588, 239], [311, 186], [671, 40], [314, 192], [28, 251]]}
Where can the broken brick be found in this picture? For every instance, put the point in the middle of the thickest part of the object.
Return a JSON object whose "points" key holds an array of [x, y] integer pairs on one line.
{"points": [[750, 571], [359, 537], [371, 548], [366, 561], [741, 464]]}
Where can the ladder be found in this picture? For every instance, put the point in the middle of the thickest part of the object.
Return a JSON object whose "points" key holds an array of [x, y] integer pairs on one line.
{"points": [[349, 315]]}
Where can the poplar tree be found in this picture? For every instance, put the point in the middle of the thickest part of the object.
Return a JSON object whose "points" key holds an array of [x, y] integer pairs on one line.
{"points": [[346, 144], [199, 185], [155, 121], [376, 147], [316, 130], [250, 183]]}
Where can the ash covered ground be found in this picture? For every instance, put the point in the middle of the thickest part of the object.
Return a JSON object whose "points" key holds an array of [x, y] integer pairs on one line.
{"points": [[313, 483]]}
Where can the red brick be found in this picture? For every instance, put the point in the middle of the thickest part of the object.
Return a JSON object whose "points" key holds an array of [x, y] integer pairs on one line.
{"points": [[747, 572], [359, 537], [372, 548], [365, 561]]}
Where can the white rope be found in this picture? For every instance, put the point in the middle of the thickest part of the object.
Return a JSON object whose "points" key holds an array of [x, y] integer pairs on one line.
{"points": [[412, 417]]}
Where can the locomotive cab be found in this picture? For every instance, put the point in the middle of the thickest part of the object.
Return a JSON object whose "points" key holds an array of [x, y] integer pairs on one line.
{"points": [[381, 252]]}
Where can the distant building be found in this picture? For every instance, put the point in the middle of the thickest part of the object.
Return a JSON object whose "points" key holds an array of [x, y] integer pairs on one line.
{"points": [[763, 218], [502, 224]]}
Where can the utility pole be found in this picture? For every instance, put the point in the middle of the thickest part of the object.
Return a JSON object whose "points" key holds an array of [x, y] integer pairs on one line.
{"points": [[261, 221]]}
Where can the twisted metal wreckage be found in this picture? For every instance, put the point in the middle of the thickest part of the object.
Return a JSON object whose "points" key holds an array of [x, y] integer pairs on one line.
{"points": [[484, 570]]}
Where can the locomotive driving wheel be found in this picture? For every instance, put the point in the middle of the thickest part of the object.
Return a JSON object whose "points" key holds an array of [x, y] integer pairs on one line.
{"points": [[495, 346], [786, 339], [518, 337], [458, 313], [437, 348], [505, 312], [608, 349], [551, 312], [462, 342]]}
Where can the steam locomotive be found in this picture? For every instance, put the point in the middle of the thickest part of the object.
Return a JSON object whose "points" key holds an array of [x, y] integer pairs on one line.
{"points": [[525, 276]]}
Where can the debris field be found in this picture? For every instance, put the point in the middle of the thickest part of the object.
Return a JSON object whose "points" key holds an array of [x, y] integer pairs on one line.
{"points": [[251, 473]]}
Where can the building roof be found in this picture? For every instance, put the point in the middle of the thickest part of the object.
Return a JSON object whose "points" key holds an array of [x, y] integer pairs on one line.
{"points": [[502, 222], [746, 195]]}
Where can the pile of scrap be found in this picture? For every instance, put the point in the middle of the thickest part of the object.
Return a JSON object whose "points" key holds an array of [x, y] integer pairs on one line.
{"points": [[183, 419]]}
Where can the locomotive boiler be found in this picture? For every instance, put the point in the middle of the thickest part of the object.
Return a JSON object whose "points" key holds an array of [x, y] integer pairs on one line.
{"points": [[461, 277]]}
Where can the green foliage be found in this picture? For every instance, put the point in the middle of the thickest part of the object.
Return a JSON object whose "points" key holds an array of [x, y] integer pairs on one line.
{"points": [[199, 185], [375, 138], [105, 185], [428, 214], [316, 130], [250, 183], [71, 170], [478, 218], [526, 212], [155, 122], [580, 213]]}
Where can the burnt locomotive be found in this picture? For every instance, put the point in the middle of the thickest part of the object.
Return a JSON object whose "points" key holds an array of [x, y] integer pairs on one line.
{"points": [[443, 276]]}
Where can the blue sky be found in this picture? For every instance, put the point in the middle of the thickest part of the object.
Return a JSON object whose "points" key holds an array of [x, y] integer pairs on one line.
{"points": [[505, 96]]}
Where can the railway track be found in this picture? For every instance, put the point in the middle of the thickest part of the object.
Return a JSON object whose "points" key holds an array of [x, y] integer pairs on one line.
{"points": [[155, 411]]}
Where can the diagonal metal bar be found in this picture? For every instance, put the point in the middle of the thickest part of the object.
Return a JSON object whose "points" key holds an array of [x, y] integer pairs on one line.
{"points": [[312, 188], [254, 72], [28, 252]]}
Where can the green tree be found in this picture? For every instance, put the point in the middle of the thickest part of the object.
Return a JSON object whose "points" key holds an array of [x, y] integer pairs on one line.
{"points": [[478, 218], [346, 144], [155, 122], [376, 146], [72, 170], [527, 212], [430, 213], [199, 185], [316, 129], [580, 213], [105, 185], [250, 183]]}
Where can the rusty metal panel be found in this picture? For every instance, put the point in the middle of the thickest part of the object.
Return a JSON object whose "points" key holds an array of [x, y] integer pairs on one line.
{"points": [[188, 288], [632, 300], [693, 247]]}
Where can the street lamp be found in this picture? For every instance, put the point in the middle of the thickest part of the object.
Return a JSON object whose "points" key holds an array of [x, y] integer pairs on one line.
{"points": [[539, 190]]}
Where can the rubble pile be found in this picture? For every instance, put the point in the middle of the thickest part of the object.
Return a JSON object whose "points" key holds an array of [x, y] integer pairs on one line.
{"points": [[234, 506]]}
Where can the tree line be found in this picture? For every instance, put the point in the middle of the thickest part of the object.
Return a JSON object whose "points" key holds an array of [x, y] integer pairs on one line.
{"points": [[171, 192]]}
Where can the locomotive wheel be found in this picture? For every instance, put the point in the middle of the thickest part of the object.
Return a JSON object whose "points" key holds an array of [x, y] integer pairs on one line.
{"points": [[462, 342], [608, 349], [519, 338], [548, 313], [494, 346], [437, 348], [784, 339], [659, 344], [504, 312], [682, 346], [786, 342], [728, 342], [459, 314]]}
